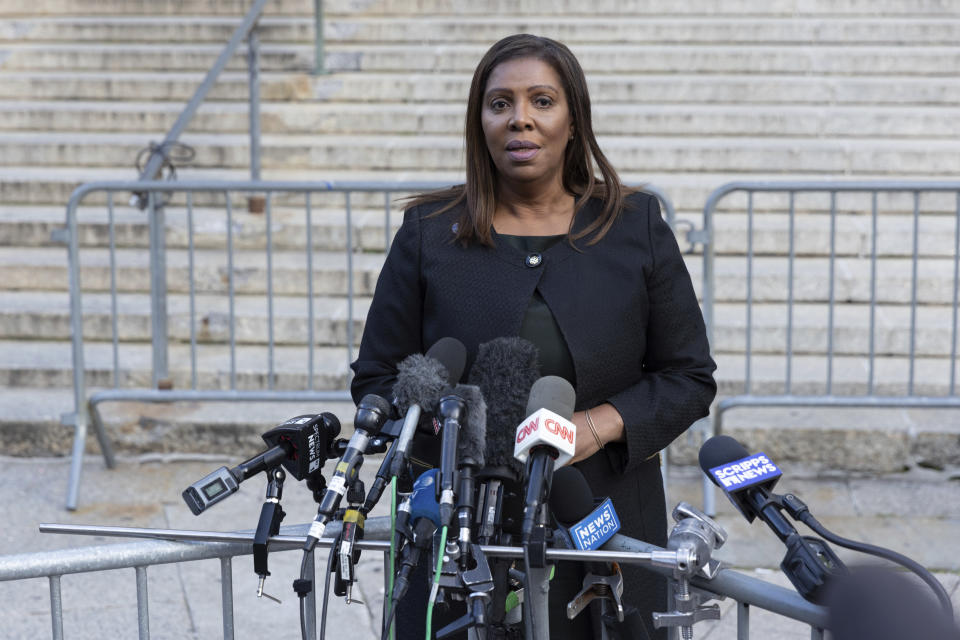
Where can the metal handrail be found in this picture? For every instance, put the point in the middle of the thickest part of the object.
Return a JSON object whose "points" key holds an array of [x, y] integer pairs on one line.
{"points": [[244, 31], [168, 546]]}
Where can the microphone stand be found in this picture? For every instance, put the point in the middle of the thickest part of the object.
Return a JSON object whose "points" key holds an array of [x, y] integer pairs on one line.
{"points": [[271, 515], [536, 589]]}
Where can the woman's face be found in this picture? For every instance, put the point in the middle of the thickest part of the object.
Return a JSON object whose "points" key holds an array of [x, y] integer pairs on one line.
{"points": [[526, 121]]}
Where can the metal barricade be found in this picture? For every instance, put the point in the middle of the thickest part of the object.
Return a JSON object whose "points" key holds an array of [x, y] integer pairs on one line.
{"points": [[832, 249], [212, 203], [747, 591]]}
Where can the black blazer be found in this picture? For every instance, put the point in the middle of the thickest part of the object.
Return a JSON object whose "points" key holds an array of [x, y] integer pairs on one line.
{"points": [[627, 310]]}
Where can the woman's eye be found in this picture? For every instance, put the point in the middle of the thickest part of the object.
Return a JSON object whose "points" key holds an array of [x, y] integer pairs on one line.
{"points": [[498, 105], [543, 102]]}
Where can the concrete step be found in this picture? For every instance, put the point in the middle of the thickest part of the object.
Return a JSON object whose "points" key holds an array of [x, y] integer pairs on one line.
{"points": [[20, 269], [49, 364], [54, 185], [850, 375], [486, 29], [178, 87], [434, 88], [702, 8], [854, 233], [26, 226], [44, 269], [155, 118], [32, 315], [811, 280], [30, 424], [825, 441], [170, 29], [462, 58], [322, 153], [933, 336], [32, 226], [127, 57]]}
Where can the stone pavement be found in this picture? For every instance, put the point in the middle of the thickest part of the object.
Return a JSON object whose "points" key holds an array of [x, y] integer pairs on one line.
{"points": [[916, 513]]}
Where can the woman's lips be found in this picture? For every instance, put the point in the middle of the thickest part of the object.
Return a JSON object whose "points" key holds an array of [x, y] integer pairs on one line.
{"points": [[522, 154]]}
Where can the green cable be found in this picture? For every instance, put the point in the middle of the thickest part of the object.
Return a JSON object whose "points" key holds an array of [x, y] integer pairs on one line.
{"points": [[393, 543], [436, 580]]}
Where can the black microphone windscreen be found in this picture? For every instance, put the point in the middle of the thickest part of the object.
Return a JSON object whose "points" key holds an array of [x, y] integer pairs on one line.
{"points": [[472, 440], [881, 604], [720, 450], [571, 499], [420, 381], [505, 370], [451, 353], [553, 393]]}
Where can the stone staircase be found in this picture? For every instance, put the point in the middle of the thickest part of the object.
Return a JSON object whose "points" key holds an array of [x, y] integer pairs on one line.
{"points": [[686, 97]]}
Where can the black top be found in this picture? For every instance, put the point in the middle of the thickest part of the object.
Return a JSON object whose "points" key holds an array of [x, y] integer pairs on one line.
{"points": [[625, 306], [538, 325]]}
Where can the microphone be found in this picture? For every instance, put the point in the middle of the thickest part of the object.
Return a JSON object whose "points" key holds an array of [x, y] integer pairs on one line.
{"points": [[505, 370], [471, 446], [545, 438], [300, 444], [372, 413], [587, 524], [587, 527], [881, 604], [463, 407], [747, 479], [421, 509], [421, 381]]}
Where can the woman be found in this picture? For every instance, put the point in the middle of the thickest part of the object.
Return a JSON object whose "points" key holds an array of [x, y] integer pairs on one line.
{"points": [[535, 245]]}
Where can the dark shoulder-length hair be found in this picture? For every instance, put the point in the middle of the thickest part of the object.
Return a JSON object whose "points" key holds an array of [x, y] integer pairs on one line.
{"points": [[581, 161]]}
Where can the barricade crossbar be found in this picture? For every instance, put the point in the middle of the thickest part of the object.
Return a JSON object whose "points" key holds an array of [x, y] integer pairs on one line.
{"points": [[168, 547]]}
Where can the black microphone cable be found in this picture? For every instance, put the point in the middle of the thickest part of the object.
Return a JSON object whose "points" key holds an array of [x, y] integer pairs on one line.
{"points": [[799, 511], [326, 595]]}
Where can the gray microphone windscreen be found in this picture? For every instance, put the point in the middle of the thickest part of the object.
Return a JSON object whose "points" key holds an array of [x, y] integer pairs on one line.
{"points": [[420, 381], [553, 393], [472, 441]]}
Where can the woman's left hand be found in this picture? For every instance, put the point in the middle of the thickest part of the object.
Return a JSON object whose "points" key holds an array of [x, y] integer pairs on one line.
{"points": [[609, 426]]}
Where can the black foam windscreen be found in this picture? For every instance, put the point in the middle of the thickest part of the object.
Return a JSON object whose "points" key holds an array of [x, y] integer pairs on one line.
{"points": [[720, 450], [553, 393], [881, 604], [472, 440], [571, 499], [420, 381], [451, 353], [505, 370]]}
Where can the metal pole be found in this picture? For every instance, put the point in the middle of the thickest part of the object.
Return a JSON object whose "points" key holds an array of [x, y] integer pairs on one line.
{"points": [[226, 595], [143, 611], [253, 64], [56, 608], [152, 170], [158, 289], [319, 64]]}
